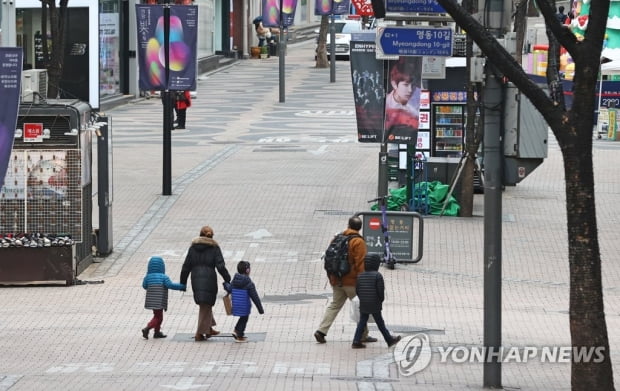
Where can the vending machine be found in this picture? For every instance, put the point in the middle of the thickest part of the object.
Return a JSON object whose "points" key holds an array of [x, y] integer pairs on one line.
{"points": [[448, 123]]}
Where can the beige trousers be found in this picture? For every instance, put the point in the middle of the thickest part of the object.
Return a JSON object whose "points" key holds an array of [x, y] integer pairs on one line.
{"points": [[340, 296]]}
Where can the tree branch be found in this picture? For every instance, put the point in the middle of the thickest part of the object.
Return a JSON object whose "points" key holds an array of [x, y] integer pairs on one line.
{"points": [[501, 59]]}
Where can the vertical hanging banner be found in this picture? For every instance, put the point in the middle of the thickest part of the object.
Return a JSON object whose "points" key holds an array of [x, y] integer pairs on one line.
{"points": [[341, 7], [331, 7], [402, 102], [271, 12], [368, 80], [323, 7], [152, 45], [151, 59], [183, 38], [10, 88]]}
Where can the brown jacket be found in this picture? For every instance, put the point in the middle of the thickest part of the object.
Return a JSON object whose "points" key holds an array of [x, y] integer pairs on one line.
{"points": [[357, 252]]}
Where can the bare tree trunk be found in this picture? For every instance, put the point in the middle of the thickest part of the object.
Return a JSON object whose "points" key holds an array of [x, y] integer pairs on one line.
{"points": [[587, 315], [58, 17], [44, 41], [466, 198], [573, 129], [520, 27], [321, 53]]}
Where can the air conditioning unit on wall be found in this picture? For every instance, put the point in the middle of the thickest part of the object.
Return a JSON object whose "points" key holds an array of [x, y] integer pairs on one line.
{"points": [[34, 85]]}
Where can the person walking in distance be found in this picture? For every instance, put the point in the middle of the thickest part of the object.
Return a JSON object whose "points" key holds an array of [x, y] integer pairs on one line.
{"points": [[156, 283], [182, 103], [370, 290], [345, 288], [203, 258], [243, 290]]}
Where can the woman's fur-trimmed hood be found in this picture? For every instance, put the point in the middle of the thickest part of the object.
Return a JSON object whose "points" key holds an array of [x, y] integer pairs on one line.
{"points": [[205, 241]]}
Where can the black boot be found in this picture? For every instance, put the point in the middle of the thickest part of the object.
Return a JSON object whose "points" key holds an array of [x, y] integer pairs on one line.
{"points": [[159, 334]]}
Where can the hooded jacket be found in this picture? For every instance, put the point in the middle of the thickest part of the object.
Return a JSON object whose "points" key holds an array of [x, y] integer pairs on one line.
{"points": [[370, 287], [157, 283], [243, 289], [357, 252], [203, 258]]}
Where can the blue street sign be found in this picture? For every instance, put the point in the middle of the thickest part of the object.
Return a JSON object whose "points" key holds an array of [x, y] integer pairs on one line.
{"points": [[425, 6], [414, 41]]}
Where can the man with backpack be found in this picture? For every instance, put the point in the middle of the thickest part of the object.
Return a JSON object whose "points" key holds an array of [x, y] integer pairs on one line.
{"points": [[343, 281]]}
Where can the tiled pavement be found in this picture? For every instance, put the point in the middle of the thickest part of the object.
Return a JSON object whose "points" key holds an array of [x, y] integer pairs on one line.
{"points": [[275, 181]]}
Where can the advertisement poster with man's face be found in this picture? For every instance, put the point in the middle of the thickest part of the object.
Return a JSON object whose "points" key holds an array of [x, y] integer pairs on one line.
{"points": [[402, 102], [367, 76], [10, 87]]}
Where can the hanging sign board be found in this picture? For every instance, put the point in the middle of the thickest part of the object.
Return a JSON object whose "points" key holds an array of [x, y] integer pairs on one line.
{"points": [[421, 6], [414, 41]]}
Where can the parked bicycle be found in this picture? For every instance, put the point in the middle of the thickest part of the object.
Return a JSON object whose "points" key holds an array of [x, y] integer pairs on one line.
{"points": [[388, 257]]}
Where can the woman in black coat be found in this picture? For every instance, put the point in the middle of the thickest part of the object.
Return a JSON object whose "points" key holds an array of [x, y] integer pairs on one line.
{"points": [[203, 258]]}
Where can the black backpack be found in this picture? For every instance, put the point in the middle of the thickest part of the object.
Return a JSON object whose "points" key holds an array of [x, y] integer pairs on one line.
{"points": [[336, 257]]}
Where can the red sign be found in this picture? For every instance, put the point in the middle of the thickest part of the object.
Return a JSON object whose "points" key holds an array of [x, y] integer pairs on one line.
{"points": [[33, 132], [374, 223]]}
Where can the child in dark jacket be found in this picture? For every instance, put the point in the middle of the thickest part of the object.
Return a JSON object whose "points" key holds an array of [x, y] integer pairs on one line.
{"points": [[243, 289], [157, 283], [370, 290]]}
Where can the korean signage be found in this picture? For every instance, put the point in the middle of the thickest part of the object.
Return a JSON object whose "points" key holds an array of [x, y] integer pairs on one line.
{"points": [[449, 96], [401, 235], [414, 41], [422, 6], [424, 140], [10, 88], [33, 133]]}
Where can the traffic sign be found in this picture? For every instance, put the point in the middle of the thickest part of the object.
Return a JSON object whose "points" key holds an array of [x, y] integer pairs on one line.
{"points": [[414, 41], [374, 223]]}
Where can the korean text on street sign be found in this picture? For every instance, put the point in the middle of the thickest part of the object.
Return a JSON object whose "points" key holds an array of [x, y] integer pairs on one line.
{"points": [[414, 41], [425, 6]]}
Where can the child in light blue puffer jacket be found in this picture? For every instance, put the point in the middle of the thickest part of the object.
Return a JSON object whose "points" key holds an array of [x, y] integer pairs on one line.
{"points": [[157, 283], [243, 289]]}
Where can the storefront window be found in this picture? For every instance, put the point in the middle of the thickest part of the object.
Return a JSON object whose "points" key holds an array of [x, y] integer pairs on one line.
{"points": [[206, 23], [109, 47]]}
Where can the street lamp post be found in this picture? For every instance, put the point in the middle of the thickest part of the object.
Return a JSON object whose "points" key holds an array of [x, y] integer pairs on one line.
{"points": [[281, 51], [167, 141]]}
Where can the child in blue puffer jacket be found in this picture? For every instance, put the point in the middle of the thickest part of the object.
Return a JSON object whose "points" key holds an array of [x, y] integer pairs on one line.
{"points": [[157, 283], [243, 289]]}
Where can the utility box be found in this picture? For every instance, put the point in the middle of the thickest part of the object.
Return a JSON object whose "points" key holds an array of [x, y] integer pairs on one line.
{"points": [[443, 169], [48, 186], [526, 136]]}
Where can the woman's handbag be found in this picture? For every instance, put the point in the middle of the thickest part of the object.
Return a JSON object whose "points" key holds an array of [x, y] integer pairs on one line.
{"points": [[227, 304]]}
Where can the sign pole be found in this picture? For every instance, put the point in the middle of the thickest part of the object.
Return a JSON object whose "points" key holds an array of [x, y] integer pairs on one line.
{"points": [[167, 141], [281, 52], [332, 52]]}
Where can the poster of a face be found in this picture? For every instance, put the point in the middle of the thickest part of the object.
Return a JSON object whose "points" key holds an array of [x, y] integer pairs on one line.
{"points": [[402, 102]]}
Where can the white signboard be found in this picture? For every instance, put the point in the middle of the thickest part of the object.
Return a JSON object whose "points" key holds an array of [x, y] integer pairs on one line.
{"points": [[424, 140], [433, 67]]}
